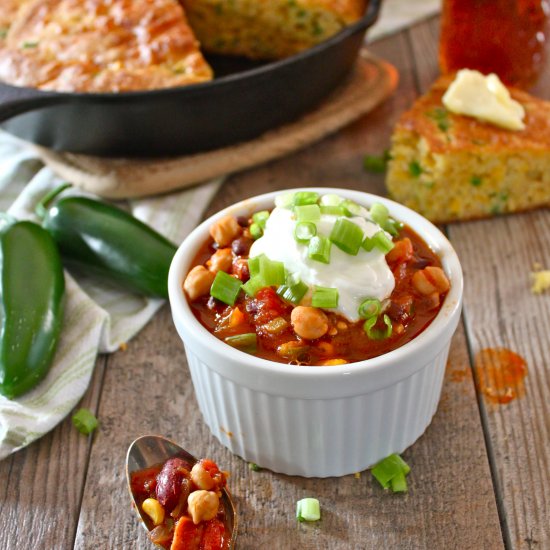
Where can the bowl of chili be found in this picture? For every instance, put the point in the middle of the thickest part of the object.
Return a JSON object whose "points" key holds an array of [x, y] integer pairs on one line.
{"points": [[365, 381]]}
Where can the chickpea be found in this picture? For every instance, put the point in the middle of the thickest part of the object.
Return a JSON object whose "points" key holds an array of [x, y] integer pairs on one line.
{"points": [[309, 322], [429, 280], [225, 230], [201, 477], [203, 505], [198, 282], [221, 260]]}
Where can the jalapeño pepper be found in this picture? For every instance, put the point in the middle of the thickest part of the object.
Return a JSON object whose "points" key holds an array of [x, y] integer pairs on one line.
{"points": [[106, 241], [32, 288]]}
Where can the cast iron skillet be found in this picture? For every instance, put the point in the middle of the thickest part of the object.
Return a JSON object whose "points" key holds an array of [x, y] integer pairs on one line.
{"points": [[245, 101]]}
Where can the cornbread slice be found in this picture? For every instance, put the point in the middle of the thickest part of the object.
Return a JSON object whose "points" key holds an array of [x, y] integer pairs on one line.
{"points": [[268, 29], [101, 45], [451, 167]]}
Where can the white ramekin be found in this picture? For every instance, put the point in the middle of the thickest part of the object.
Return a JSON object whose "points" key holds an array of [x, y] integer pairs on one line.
{"points": [[317, 421]]}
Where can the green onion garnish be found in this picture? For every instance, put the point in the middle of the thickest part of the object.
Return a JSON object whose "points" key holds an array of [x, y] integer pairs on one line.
{"points": [[308, 509], [85, 421], [254, 265], [324, 297], [307, 213], [378, 334], [393, 227], [370, 307], [255, 231], [285, 201], [304, 231], [254, 284], [260, 218], [379, 213], [351, 208], [272, 271], [391, 472], [245, 342], [254, 467], [376, 164], [379, 240], [319, 249], [415, 169], [305, 197], [293, 293], [330, 199], [332, 210], [225, 288], [347, 236]]}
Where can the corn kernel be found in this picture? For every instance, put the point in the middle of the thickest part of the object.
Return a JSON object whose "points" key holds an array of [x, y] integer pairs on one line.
{"points": [[153, 508]]}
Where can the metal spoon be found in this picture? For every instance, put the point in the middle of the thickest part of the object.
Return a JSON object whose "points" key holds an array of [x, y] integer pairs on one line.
{"points": [[149, 450]]}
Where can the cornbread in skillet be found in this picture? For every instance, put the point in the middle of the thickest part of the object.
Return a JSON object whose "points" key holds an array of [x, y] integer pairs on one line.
{"points": [[268, 29], [101, 46], [453, 167]]}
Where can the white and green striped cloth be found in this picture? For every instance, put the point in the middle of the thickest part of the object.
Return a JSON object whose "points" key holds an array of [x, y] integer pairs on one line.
{"points": [[98, 318]]}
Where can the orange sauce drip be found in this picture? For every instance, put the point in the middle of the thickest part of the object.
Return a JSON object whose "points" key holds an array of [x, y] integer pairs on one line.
{"points": [[500, 374]]}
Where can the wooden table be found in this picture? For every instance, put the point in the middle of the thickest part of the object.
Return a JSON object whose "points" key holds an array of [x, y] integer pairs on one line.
{"points": [[480, 474]]}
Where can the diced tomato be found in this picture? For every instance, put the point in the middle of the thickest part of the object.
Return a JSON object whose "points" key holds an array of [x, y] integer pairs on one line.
{"points": [[187, 535], [144, 481], [212, 538], [267, 306]]}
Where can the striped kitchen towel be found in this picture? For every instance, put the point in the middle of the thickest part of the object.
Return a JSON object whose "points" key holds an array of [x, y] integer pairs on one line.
{"points": [[98, 318]]}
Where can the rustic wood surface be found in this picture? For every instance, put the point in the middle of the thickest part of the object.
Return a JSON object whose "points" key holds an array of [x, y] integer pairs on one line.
{"points": [[479, 475]]}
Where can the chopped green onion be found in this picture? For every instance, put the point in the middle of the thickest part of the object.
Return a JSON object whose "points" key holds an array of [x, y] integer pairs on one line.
{"points": [[391, 472], [272, 271], [245, 342], [351, 208], [324, 297], [393, 227], [379, 240], [376, 164], [307, 213], [370, 307], [347, 236], [260, 218], [255, 231], [331, 210], [379, 213], [254, 467], [285, 200], [254, 284], [305, 197], [85, 421], [293, 293], [304, 231], [225, 288], [308, 509], [330, 199], [378, 334], [319, 249], [254, 265]]}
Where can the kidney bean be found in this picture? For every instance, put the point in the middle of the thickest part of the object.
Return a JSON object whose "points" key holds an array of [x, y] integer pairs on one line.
{"points": [[241, 246], [243, 221], [170, 482]]}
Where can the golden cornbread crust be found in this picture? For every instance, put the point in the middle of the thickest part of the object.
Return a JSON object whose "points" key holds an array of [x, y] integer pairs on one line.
{"points": [[268, 29], [450, 167], [101, 46]]}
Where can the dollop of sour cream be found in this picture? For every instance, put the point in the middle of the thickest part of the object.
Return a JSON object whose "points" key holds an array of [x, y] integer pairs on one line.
{"points": [[366, 275]]}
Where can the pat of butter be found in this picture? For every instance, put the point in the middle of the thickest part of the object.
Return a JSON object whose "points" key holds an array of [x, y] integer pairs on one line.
{"points": [[484, 98]]}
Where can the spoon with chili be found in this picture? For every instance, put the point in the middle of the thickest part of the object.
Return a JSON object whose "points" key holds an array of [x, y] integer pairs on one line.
{"points": [[183, 502]]}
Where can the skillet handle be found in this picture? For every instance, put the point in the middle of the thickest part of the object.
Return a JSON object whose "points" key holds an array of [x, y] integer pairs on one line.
{"points": [[16, 101]]}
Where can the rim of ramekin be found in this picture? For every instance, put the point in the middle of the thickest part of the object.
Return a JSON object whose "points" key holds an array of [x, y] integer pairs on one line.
{"points": [[425, 340]]}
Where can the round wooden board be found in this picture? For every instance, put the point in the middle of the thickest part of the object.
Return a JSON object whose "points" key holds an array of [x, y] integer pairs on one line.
{"points": [[371, 81]]}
